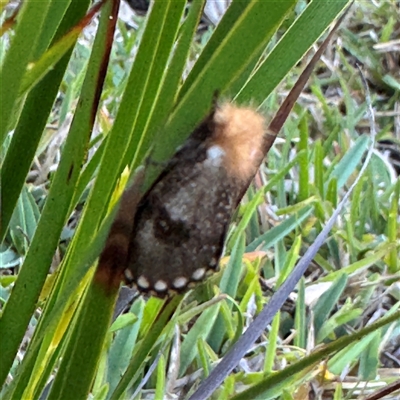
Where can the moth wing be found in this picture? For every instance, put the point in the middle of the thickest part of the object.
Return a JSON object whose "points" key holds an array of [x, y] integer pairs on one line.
{"points": [[180, 226]]}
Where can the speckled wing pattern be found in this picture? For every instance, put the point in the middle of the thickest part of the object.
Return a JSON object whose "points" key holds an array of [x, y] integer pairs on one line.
{"points": [[181, 222]]}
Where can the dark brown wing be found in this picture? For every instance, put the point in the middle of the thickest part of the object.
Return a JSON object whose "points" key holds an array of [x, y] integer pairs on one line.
{"points": [[181, 224]]}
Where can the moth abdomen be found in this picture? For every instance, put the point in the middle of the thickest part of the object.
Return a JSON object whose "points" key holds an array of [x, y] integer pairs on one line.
{"points": [[181, 222]]}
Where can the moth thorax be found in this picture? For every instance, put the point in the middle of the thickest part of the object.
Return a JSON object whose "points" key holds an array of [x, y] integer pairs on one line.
{"points": [[239, 132]]}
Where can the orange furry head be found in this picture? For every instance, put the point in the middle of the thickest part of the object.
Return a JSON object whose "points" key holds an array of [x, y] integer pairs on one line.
{"points": [[239, 131]]}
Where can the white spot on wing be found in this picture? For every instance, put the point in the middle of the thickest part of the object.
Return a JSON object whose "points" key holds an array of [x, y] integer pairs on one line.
{"points": [[128, 275], [198, 274], [143, 282], [160, 286], [180, 282], [215, 155]]}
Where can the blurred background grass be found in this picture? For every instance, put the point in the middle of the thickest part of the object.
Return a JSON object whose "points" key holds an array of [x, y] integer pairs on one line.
{"points": [[352, 282]]}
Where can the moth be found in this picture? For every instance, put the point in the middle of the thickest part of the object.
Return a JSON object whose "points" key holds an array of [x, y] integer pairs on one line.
{"points": [[176, 236]]}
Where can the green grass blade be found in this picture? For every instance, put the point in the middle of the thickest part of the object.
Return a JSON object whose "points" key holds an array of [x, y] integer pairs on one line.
{"points": [[269, 383], [39, 68], [229, 19], [34, 116], [166, 97], [277, 233], [327, 301], [80, 358], [35, 268], [229, 285], [393, 228], [144, 349], [303, 33], [18, 57], [348, 164], [122, 348], [200, 330]]}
